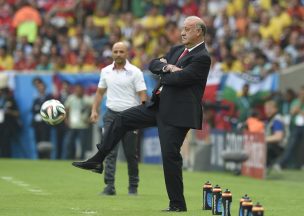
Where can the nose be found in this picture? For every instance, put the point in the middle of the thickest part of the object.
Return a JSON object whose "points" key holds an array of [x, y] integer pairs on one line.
{"points": [[183, 33]]}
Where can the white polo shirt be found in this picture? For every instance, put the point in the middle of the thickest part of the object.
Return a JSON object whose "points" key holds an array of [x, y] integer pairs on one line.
{"points": [[122, 86]]}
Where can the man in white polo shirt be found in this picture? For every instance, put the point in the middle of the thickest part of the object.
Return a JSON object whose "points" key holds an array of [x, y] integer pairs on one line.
{"points": [[125, 87]]}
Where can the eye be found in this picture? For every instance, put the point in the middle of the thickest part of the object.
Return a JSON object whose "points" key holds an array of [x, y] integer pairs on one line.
{"points": [[187, 29]]}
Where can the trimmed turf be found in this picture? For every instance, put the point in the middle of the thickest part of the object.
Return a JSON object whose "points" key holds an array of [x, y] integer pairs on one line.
{"points": [[56, 188]]}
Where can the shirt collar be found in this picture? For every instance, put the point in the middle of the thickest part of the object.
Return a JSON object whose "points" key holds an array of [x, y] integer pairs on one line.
{"points": [[195, 46], [126, 66]]}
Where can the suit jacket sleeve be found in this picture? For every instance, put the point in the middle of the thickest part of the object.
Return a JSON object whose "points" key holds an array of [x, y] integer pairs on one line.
{"points": [[194, 73], [156, 66]]}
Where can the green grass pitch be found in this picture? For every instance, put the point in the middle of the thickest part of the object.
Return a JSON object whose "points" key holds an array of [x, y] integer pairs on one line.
{"points": [[45, 188]]}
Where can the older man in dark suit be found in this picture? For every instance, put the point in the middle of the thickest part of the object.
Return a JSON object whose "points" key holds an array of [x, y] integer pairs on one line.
{"points": [[175, 107]]}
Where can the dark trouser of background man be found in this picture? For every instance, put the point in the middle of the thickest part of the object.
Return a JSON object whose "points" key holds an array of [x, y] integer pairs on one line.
{"points": [[5, 142], [73, 135], [61, 131], [274, 151], [129, 143], [296, 139], [43, 139]]}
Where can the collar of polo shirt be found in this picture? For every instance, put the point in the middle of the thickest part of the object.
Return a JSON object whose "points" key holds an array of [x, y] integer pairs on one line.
{"points": [[126, 66]]}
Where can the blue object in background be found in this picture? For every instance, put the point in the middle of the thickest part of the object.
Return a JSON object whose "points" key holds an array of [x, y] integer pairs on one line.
{"points": [[151, 151], [86, 80], [25, 93]]}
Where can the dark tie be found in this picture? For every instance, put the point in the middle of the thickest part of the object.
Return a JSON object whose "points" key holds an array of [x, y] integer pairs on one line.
{"points": [[186, 51]]}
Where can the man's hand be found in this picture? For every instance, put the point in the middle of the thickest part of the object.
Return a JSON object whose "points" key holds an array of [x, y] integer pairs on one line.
{"points": [[94, 116], [171, 68], [175, 69]]}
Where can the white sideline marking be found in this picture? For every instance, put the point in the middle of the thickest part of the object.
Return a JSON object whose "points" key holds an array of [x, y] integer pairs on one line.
{"points": [[86, 212], [24, 185], [20, 183], [7, 178], [89, 212], [35, 190]]}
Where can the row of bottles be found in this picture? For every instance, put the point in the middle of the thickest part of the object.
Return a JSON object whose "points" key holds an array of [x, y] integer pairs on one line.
{"points": [[220, 202]]}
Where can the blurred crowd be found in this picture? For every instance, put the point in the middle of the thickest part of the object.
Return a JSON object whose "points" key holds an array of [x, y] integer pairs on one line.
{"points": [[244, 36], [279, 116]]}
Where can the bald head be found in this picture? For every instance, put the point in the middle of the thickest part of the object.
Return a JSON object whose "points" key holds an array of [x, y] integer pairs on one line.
{"points": [[193, 31], [121, 45], [120, 53], [198, 22]]}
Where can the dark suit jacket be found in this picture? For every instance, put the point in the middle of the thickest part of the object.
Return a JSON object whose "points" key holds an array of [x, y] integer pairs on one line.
{"points": [[180, 101]]}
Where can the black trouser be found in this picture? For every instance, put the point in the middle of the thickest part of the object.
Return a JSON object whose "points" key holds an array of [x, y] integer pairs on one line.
{"points": [[129, 143], [42, 131], [70, 143], [274, 151], [171, 140], [293, 147], [61, 131], [5, 142], [42, 134]]}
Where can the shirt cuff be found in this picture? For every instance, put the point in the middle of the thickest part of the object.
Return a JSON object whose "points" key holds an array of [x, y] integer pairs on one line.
{"points": [[165, 68]]}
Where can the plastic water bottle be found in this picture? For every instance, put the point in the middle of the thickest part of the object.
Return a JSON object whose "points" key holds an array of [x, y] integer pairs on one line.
{"points": [[257, 210], [207, 196], [226, 200], [247, 207], [217, 200], [245, 197]]}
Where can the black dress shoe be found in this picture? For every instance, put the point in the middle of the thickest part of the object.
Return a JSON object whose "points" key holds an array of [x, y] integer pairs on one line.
{"points": [[109, 190], [132, 191], [174, 209], [87, 165]]}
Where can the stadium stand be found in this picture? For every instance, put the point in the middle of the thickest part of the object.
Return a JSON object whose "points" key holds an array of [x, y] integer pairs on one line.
{"points": [[255, 37]]}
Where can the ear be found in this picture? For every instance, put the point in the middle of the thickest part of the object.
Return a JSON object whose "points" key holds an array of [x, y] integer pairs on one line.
{"points": [[198, 32]]}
